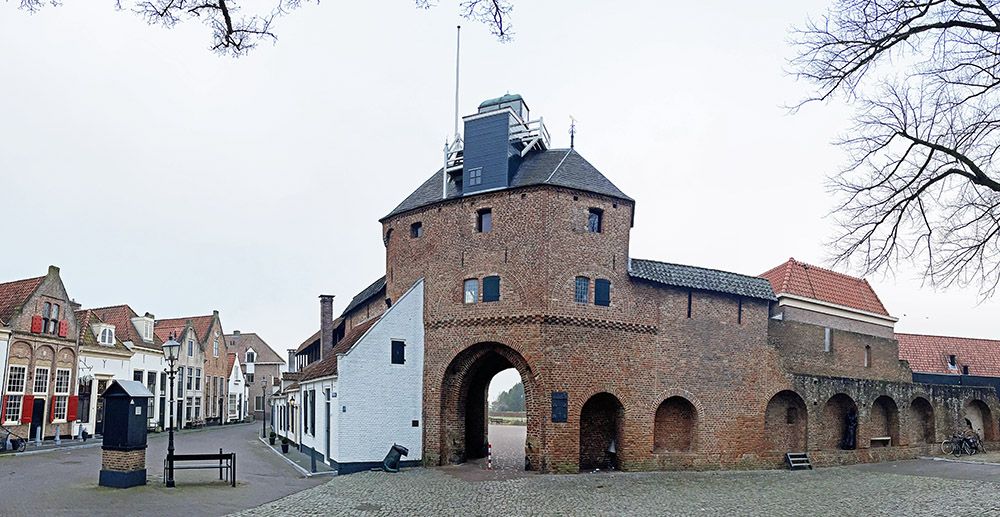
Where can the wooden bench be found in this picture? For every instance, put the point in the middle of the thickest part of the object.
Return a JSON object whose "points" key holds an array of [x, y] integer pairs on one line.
{"points": [[227, 462], [882, 441]]}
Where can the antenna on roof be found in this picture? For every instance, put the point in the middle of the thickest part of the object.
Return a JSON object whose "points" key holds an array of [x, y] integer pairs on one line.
{"points": [[572, 130], [454, 147], [458, 46]]}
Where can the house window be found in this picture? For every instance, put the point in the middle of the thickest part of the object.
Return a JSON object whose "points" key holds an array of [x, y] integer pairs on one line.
{"points": [[952, 362], [475, 176], [868, 356], [249, 378], [147, 331], [602, 292], [180, 380], [62, 381], [137, 375], [595, 218], [59, 410], [41, 381], [312, 411], [690, 294], [484, 220], [251, 356], [232, 404], [187, 409], [965, 369], [197, 379], [107, 337], [827, 339], [258, 403], [215, 347], [417, 230], [471, 288], [197, 408], [50, 318], [15, 391], [582, 291], [190, 379], [190, 348], [491, 288], [398, 355]]}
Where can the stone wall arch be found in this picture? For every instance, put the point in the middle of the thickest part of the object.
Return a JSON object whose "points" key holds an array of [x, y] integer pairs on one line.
{"points": [[836, 412], [674, 425], [977, 415], [602, 419], [786, 422], [921, 417], [883, 420]]}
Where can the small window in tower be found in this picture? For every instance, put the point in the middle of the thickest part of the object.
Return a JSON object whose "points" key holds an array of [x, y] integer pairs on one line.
{"points": [[491, 288], [471, 289], [602, 292], [417, 230], [868, 356], [475, 176], [484, 220], [398, 352], [582, 291], [827, 340], [594, 220]]}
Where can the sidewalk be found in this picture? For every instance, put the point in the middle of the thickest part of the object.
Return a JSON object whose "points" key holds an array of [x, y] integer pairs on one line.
{"points": [[96, 441], [301, 461]]}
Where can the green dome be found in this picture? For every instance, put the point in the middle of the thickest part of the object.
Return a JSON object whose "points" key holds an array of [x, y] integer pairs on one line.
{"points": [[500, 100]]}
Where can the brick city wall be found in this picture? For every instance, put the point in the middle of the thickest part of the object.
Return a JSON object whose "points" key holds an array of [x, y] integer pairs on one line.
{"points": [[706, 391], [123, 461]]}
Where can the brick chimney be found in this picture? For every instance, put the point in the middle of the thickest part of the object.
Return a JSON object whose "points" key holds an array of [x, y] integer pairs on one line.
{"points": [[292, 367], [325, 323]]}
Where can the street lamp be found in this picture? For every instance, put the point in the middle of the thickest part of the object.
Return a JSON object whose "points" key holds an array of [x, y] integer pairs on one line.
{"points": [[170, 351], [263, 407]]}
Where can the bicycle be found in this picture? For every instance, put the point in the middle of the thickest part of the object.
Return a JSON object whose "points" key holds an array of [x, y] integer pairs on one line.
{"points": [[17, 444]]}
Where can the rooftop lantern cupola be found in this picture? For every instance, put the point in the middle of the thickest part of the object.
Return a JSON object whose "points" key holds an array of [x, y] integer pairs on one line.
{"points": [[496, 138]]}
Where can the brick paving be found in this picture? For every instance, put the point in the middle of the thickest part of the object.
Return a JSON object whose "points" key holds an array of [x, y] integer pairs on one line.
{"points": [[64, 482]]}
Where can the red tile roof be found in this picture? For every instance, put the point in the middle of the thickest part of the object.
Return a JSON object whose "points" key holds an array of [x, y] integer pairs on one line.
{"points": [[201, 324], [929, 354], [230, 361], [87, 317], [14, 294], [328, 365], [121, 317], [800, 279]]}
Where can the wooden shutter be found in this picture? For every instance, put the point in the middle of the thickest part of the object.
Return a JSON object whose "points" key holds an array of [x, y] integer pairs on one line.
{"points": [[63, 328], [491, 288], [26, 406], [3, 409], [52, 410], [36, 324], [560, 404], [71, 408], [602, 292]]}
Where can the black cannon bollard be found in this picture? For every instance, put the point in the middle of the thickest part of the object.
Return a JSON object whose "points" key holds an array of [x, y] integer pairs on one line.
{"points": [[391, 461]]}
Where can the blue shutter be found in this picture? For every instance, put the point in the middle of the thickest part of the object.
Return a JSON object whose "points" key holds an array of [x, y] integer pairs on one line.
{"points": [[560, 401], [602, 292], [491, 288]]}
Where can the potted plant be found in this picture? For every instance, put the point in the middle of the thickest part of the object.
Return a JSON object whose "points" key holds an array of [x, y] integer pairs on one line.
{"points": [[284, 445], [271, 437]]}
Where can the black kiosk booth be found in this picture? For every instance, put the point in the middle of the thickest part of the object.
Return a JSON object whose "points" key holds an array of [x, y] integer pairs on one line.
{"points": [[123, 458]]}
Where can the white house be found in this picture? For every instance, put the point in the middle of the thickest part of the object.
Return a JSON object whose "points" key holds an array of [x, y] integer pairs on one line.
{"points": [[190, 378], [366, 394], [236, 407], [103, 358]]}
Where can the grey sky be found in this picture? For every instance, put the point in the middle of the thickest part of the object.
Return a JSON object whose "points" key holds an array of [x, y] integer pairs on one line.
{"points": [[158, 174]]}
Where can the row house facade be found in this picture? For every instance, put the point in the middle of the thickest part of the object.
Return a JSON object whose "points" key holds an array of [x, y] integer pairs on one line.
{"points": [[38, 396], [261, 365]]}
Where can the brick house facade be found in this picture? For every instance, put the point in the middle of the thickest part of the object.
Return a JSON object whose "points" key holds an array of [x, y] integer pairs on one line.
{"points": [[39, 390]]}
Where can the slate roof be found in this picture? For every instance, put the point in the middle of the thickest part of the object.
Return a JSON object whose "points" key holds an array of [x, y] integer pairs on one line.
{"points": [[366, 294], [265, 354], [328, 365], [121, 317], [87, 317], [558, 167], [929, 354], [691, 277], [800, 279], [14, 294]]}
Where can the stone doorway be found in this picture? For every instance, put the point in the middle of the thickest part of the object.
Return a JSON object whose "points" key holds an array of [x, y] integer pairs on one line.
{"points": [[601, 420], [465, 406]]}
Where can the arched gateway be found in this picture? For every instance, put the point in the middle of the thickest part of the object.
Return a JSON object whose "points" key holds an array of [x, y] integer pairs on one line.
{"points": [[464, 404]]}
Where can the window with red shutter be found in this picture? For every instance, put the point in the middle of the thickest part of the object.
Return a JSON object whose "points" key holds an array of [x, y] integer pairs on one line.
{"points": [[52, 410], [71, 408], [26, 407], [36, 324], [63, 328]]}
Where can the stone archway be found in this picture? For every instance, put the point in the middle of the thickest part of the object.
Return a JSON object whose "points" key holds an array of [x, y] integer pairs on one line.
{"points": [[786, 424], [884, 420], [673, 425], [601, 421], [978, 416], [921, 421], [836, 413], [464, 426]]}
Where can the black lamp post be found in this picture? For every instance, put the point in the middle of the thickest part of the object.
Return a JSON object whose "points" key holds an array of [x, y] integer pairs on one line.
{"points": [[263, 407], [170, 350]]}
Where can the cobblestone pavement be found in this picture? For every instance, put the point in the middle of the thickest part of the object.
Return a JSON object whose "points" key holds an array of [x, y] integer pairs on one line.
{"points": [[64, 482], [841, 491]]}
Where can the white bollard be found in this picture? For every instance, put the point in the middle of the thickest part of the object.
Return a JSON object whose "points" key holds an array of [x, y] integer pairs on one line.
{"points": [[489, 456]]}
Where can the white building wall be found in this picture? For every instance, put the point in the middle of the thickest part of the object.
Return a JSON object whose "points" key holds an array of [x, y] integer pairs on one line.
{"points": [[237, 388], [377, 401], [316, 439], [100, 367], [148, 361]]}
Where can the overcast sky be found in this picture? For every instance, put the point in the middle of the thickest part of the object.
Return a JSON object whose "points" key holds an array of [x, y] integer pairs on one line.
{"points": [[160, 175]]}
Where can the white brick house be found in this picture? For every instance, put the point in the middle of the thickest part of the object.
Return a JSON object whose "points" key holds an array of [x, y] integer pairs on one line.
{"points": [[367, 393]]}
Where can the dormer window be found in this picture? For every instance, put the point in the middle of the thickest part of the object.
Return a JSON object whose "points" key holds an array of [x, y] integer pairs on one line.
{"points": [[952, 362], [595, 220], [416, 230], [484, 220], [251, 356], [475, 176], [107, 336]]}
